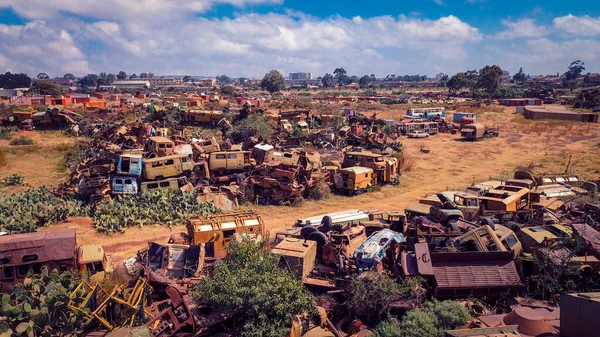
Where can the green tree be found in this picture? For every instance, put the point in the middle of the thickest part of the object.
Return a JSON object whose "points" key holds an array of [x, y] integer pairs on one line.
{"points": [[273, 82], [11, 81], [364, 81], [575, 69], [489, 79], [457, 82], [340, 75], [227, 90], [46, 88], [133, 77], [587, 79], [254, 126], [89, 80], [431, 320], [122, 76], [43, 76], [328, 81], [472, 76], [261, 297], [69, 76], [520, 77]]}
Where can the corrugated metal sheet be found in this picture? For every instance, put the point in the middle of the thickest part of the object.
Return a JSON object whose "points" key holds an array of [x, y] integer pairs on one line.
{"points": [[459, 272]]}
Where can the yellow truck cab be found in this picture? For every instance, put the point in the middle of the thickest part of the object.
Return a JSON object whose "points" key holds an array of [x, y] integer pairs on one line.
{"points": [[93, 262], [385, 168], [353, 180], [160, 168]]}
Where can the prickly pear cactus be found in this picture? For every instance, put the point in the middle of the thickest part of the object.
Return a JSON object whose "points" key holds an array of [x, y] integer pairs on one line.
{"points": [[39, 307]]}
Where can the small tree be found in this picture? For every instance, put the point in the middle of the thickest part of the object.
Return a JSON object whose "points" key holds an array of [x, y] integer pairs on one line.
{"points": [[122, 76], [46, 88], [43, 76], [261, 297], [254, 126], [489, 79], [370, 294], [328, 81], [273, 82], [520, 77], [457, 82], [432, 320]]}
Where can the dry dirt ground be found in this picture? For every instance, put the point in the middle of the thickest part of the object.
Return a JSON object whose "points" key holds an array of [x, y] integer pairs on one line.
{"points": [[451, 164]]}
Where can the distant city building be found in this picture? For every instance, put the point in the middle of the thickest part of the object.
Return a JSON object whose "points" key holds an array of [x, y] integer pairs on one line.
{"points": [[206, 82], [131, 84], [439, 76], [300, 76], [165, 82]]}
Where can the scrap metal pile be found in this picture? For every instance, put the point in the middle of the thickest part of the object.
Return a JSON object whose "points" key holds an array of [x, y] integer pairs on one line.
{"points": [[129, 158]]}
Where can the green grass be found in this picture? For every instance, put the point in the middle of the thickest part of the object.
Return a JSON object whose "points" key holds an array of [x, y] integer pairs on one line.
{"points": [[22, 141]]}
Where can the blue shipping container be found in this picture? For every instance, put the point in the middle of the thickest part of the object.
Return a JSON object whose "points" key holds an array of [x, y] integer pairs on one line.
{"points": [[459, 115]]}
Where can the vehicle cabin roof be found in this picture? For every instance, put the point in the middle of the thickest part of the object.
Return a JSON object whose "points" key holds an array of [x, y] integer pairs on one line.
{"points": [[538, 233], [505, 196], [90, 253], [150, 160], [293, 247], [159, 139], [358, 169], [48, 246], [364, 154]]}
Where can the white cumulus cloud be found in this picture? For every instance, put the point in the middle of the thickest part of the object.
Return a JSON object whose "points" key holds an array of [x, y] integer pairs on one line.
{"points": [[578, 25]]}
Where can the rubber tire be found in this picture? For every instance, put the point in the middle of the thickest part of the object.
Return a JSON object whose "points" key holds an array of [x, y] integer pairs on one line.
{"points": [[487, 221], [326, 224], [306, 231], [318, 237], [338, 227]]}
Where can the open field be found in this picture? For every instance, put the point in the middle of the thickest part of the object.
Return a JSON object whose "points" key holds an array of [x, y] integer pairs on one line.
{"points": [[451, 164]]}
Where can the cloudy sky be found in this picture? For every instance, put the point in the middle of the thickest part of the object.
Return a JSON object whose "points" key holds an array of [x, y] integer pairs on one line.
{"points": [[249, 37]]}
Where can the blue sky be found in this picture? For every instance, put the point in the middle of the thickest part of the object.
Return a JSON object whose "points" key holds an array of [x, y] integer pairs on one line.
{"points": [[250, 37]]}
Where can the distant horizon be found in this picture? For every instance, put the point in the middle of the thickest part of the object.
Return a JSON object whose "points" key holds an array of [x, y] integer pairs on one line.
{"points": [[247, 38]]}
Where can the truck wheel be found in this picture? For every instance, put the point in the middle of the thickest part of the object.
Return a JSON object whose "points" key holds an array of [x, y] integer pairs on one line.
{"points": [[326, 224], [338, 227], [318, 237], [306, 231]]}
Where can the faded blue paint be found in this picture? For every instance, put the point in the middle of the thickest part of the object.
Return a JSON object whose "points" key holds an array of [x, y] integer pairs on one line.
{"points": [[371, 252], [124, 185], [130, 165]]}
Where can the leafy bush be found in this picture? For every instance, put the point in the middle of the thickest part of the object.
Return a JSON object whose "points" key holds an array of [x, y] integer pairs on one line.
{"points": [[149, 208], [253, 126], [320, 191], [433, 319], [14, 179], [6, 132], [370, 294], [262, 298], [38, 307], [21, 141], [24, 212]]}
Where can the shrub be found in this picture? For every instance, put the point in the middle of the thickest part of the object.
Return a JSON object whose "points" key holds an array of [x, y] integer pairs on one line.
{"points": [[369, 294], [320, 191], [433, 319], [22, 141], [253, 126], [261, 297], [6, 132], [14, 179], [24, 212], [149, 208]]}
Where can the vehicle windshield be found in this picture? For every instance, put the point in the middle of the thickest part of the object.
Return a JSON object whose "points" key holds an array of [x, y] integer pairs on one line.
{"points": [[379, 159]]}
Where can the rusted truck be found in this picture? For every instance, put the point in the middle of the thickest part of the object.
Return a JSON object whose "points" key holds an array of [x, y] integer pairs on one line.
{"points": [[203, 116], [353, 180], [20, 253], [477, 131], [386, 169]]}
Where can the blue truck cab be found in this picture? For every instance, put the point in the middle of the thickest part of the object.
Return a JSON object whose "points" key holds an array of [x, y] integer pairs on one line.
{"points": [[125, 185], [130, 164]]}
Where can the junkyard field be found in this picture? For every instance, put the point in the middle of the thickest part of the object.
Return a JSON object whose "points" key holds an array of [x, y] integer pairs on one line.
{"points": [[450, 164]]}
